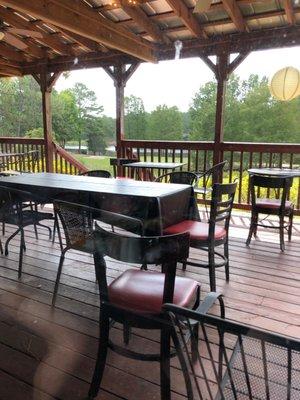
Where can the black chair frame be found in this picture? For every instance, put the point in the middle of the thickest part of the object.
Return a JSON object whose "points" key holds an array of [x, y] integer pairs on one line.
{"points": [[282, 186], [98, 173], [165, 250], [220, 211], [181, 177], [259, 365], [78, 225]]}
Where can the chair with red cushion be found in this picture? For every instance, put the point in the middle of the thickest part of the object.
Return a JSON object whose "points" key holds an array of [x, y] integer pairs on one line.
{"points": [[279, 206], [208, 236], [135, 298]]}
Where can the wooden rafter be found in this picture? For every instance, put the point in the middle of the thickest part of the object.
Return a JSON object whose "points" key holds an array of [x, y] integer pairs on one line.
{"points": [[48, 40], [11, 54], [289, 10], [83, 41], [138, 15], [10, 71], [235, 14], [191, 22], [77, 18]]}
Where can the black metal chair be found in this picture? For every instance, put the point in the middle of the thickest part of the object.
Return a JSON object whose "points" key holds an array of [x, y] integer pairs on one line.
{"points": [[78, 225], [12, 212], [279, 206], [208, 177], [208, 236], [99, 173], [233, 360], [136, 297], [119, 162], [183, 177]]}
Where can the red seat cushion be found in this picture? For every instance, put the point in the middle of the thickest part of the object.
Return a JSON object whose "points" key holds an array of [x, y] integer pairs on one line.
{"points": [[272, 203], [197, 230], [142, 291]]}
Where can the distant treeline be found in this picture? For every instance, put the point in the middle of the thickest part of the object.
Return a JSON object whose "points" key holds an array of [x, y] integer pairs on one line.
{"points": [[251, 114]]}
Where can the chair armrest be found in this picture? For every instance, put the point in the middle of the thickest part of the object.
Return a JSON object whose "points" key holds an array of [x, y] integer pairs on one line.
{"points": [[125, 222], [209, 300]]}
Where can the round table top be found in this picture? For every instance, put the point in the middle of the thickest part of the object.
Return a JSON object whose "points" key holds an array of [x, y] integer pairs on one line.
{"points": [[281, 172]]}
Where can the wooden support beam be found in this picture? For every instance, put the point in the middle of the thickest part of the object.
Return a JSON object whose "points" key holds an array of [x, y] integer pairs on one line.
{"points": [[82, 20], [138, 15], [10, 71], [46, 82], [51, 41], [289, 10], [232, 9], [83, 41], [191, 22], [120, 76]]}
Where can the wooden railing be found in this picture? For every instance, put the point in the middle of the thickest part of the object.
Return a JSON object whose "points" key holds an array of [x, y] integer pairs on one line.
{"points": [[198, 156], [63, 162]]}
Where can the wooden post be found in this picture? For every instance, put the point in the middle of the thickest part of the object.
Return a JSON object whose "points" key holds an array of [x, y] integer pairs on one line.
{"points": [[120, 75], [222, 77], [46, 82]]}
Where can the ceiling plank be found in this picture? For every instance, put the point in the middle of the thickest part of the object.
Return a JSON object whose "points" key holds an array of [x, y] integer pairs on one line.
{"points": [[48, 40], [191, 22], [10, 71], [138, 15], [234, 12], [86, 22], [83, 41], [11, 54], [289, 10]]}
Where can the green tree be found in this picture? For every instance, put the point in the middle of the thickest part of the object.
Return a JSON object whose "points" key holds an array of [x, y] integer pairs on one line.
{"points": [[95, 135], [165, 123], [135, 118]]}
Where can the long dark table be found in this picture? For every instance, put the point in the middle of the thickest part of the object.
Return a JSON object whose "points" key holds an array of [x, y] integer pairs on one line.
{"points": [[158, 205]]}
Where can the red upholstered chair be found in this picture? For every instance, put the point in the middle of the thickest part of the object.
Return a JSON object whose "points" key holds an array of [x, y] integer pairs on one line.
{"points": [[135, 298], [279, 206], [208, 236]]}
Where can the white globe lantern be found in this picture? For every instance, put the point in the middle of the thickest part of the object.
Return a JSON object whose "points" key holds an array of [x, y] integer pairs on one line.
{"points": [[285, 84]]}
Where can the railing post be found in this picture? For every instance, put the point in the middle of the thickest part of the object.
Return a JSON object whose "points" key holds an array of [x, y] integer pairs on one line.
{"points": [[46, 82], [120, 75]]}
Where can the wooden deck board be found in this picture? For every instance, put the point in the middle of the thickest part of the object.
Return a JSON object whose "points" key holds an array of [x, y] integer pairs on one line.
{"points": [[49, 353]]}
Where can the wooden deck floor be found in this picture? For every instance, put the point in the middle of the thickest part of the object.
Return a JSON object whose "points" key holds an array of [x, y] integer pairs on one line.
{"points": [[49, 353]]}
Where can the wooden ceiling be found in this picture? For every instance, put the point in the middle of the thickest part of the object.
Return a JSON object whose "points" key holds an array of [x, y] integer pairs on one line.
{"points": [[92, 33]]}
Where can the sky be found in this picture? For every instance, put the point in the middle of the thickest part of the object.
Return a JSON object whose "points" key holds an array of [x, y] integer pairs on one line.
{"points": [[175, 82]]}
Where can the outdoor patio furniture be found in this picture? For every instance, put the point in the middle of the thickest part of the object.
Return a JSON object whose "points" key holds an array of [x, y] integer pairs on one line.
{"points": [[279, 206], [12, 212], [156, 205], [135, 297], [17, 163], [78, 226], [208, 236], [100, 173], [183, 177], [119, 162], [145, 169], [234, 360], [208, 177]]}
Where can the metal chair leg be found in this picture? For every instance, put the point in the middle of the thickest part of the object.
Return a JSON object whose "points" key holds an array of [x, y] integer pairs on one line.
{"points": [[281, 233], [101, 356], [226, 254], [60, 265], [212, 270], [165, 383], [22, 246], [126, 333], [9, 239], [291, 217]]}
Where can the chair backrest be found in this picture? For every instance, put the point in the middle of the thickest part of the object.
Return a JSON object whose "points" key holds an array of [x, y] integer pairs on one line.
{"points": [[118, 162], [11, 200], [99, 173], [213, 173], [233, 360], [221, 205], [164, 250], [281, 185], [78, 221], [183, 177]]}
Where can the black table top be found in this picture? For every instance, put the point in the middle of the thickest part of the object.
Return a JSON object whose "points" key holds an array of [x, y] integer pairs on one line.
{"points": [[280, 172], [125, 187], [154, 165]]}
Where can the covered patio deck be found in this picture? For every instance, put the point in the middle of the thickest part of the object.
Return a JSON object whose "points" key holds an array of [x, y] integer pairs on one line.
{"points": [[49, 353]]}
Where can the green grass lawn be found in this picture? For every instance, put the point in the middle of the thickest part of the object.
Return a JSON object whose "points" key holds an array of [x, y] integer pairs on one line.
{"points": [[94, 162]]}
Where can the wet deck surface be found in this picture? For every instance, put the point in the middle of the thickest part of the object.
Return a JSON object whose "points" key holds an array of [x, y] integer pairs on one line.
{"points": [[49, 353]]}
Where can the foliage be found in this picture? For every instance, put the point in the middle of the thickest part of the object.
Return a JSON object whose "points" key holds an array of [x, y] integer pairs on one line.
{"points": [[35, 133], [135, 118], [165, 123], [95, 137]]}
